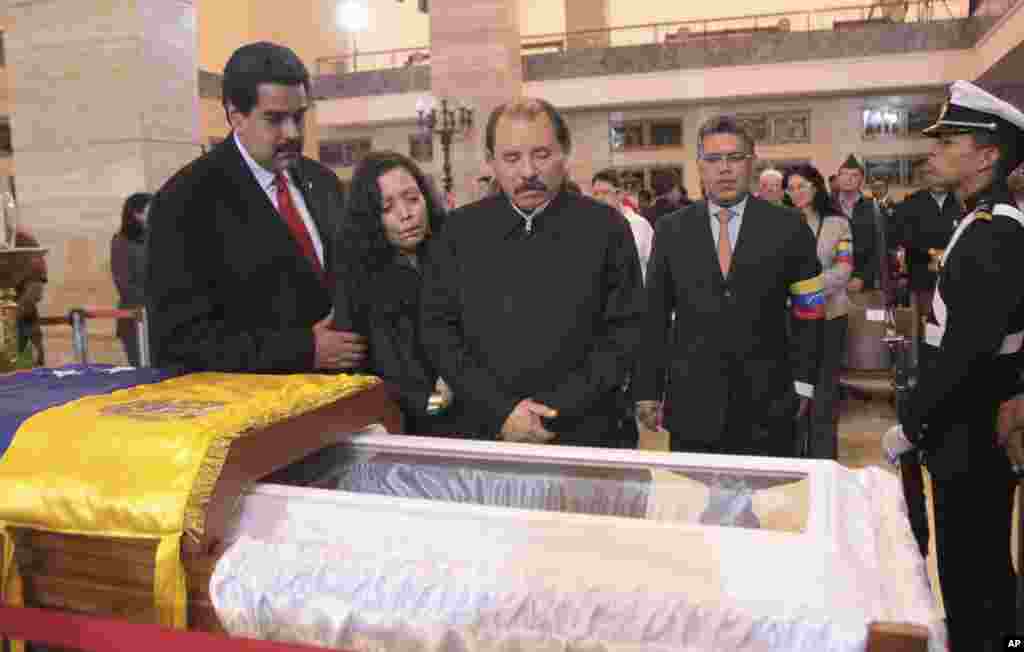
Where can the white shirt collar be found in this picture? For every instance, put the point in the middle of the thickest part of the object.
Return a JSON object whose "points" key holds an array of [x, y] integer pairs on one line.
{"points": [[531, 216], [264, 177], [736, 210]]}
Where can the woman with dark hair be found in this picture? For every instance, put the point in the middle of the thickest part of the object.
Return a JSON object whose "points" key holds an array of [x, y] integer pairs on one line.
{"points": [[806, 188], [128, 266], [390, 215]]}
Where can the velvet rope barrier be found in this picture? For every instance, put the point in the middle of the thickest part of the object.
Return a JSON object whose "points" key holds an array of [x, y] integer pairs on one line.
{"points": [[89, 634]]}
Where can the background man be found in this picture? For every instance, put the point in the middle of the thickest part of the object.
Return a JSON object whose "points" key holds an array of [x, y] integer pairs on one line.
{"points": [[606, 187], [969, 364], [861, 213], [736, 380], [669, 195], [532, 300], [240, 239], [769, 186]]}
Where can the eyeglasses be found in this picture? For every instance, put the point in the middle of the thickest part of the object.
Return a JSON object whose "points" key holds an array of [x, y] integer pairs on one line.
{"points": [[731, 157], [799, 188]]}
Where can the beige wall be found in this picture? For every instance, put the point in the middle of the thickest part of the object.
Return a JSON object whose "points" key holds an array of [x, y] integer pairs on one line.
{"points": [[835, 133], [306, 26]]}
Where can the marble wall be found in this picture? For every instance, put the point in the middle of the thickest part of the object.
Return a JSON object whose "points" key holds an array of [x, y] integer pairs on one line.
{"points": [[104, 103]]}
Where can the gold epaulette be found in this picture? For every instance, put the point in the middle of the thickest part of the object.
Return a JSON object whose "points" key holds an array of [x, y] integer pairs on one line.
{"points": [[983, 215]]}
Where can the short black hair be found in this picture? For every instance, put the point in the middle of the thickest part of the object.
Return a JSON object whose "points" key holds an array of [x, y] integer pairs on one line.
{"points": [[1010, 152], [723, 124], [255, 64], [529, 108], [131, 227], [609, 176], [822, 202], [663, 180]]}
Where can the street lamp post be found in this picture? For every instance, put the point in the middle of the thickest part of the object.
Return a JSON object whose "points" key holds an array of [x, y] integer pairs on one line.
{"points": [[447, 123]]}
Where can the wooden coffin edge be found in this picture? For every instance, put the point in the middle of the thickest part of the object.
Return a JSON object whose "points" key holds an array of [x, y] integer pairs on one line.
{"points": [[250, 459]]}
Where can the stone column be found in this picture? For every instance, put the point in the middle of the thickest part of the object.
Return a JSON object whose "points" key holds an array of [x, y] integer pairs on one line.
{"points": [[584, 16], [104, 103], [474, 58]]}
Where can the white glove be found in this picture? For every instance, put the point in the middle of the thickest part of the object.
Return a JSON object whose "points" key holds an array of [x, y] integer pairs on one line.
{"points": [[895, 443]]}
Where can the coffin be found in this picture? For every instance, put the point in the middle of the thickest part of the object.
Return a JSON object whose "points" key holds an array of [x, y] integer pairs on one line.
{"points": [[442, 544], [114, 577], [414, 542]]}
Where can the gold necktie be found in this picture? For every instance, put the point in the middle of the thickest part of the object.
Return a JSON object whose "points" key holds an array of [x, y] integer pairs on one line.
{"points": [[724, 246]]}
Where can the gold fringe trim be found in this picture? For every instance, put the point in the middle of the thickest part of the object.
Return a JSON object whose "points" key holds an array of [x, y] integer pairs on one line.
{"points": [[217, 451], [11, 589]]}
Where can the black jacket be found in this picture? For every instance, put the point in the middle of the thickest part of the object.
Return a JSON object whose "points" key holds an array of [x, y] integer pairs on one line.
{"points": [[866, 241], [922, 226], [554, 315], [963, 376], [385, 308], [228, 287], [730, 363]]}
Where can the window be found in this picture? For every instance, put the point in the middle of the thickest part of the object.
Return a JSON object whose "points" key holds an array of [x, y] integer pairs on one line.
{"points": [[637, 178], [777, 128], [5, 138], [421, 147], [344, 153], [637, 134], [897, 170], [898, 122], [667, 134]]}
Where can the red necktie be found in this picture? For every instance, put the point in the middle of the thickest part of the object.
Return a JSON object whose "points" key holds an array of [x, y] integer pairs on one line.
{"points": [[286, 207]]}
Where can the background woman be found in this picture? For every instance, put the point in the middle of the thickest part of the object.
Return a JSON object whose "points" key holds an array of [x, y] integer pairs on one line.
{"points": [[128, 266], [806, 188], [389, 217]]}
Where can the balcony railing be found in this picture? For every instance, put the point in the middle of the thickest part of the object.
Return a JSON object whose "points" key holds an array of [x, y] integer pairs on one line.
{"points": [[711, 33]]}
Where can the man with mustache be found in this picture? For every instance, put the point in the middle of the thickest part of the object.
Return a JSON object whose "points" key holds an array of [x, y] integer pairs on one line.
{"points": [[726, 266], [239, 270], [532, 299]]}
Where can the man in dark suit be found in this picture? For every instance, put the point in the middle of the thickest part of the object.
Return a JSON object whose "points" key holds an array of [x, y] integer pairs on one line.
{"points": [[532, 300], [925, 220], [239, 269], [864, 220], [727, 266]]}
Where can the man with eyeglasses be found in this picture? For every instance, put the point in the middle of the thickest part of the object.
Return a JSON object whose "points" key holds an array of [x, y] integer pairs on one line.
{"points": [[532, 303], [736, 380]]}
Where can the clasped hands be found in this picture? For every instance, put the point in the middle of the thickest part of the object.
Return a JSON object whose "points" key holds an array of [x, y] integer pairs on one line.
{"points": [[524, 423]]}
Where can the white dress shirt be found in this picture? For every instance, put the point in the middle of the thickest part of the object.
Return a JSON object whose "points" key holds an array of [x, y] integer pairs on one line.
{"points": [[265, 178], [643, 234]]}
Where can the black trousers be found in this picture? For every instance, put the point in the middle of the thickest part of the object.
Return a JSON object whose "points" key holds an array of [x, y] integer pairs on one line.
{"points": [[973, 515], [823, 441]]}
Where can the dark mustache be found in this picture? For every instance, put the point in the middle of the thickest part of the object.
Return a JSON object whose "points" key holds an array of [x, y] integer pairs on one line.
{"points": [[532, 185], [291, 148]]}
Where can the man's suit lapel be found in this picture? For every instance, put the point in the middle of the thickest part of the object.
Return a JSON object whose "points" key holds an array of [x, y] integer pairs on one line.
{"points": [[258, 213], [704, 227], [310, 194]]}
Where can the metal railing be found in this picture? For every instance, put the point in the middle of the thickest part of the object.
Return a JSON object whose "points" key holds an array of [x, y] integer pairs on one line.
{"points": [[709, 31], [77, 318]]}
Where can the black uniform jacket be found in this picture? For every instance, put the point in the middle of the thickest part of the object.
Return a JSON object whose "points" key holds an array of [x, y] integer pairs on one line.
{"points": [[969, 362], [229, 288], [731, 365], [553, 315], [922, 226]]}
